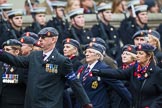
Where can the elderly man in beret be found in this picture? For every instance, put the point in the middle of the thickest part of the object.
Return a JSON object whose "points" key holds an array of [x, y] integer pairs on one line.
{"points": [[13, 79], [48, 71], [97, 87]]}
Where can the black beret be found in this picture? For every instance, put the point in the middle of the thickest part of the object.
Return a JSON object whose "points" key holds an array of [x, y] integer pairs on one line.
{"points": [[96, 46], [48, 32], [129, 48], [145, 47], [11, 42], [33, 35], [72, 42], [27, 40], [98, 40], [37, 43], [140, 33], [154, 33]]}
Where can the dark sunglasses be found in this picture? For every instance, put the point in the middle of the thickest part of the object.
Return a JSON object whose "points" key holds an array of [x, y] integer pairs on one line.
{"points": [[7, 49], [42, 36]]}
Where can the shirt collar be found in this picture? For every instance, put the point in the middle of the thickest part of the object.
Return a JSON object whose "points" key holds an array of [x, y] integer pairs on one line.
{"points": [[47, 54], [92, 65]]}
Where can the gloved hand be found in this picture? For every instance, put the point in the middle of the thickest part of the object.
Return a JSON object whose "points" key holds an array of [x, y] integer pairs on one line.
{"points": [[88, 106], [95, 72]]}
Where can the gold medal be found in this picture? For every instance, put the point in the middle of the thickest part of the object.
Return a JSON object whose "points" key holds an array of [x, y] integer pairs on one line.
{"points": [[94, 84]]}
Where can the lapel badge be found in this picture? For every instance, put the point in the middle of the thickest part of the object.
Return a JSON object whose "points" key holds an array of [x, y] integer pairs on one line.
{"points": [[94, 84], [146, 75], [12, 69]]}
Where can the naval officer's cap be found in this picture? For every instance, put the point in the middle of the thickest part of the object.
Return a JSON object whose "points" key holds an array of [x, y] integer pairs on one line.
{"points": [[133, 3], [16, 12], [140, 8], [76, 12], [104, 7], [6, 7], [56, 4], [38, 10]]}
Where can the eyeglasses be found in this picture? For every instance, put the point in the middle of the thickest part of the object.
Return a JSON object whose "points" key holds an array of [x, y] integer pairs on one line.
{"points": [[7, 49], [42, 36]]}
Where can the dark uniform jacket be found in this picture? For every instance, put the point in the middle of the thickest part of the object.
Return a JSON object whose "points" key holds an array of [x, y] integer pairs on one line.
{"points": [[111, 38], [96, 87], [128, 28], [10, 33], [146, 93], [81, 35], [12, 94], [46, 79], [62, 28], [158, 55], [76, 63], [35, 27]]}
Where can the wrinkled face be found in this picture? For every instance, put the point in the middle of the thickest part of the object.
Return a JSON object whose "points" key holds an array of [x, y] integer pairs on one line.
{"points": [[127, 58], [140, 40], [75, 5], [78, 21], [26, 49], [69, 50], [107, 15], [59, 12], [91, 56], [41, 19], [143, 17], [47, 43], [142, 57], [17, 20]]}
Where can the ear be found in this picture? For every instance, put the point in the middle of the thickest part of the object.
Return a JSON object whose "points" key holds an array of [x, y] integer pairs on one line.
{"points": [[17, 52], [54, 39]]}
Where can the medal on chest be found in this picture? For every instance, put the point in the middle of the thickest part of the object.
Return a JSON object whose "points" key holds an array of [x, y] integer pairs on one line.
{"points": [[10, 78]]}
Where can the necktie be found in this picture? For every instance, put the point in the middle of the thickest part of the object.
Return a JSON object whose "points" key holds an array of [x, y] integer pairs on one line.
{"points": [[44, 55], [85, 74]]}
